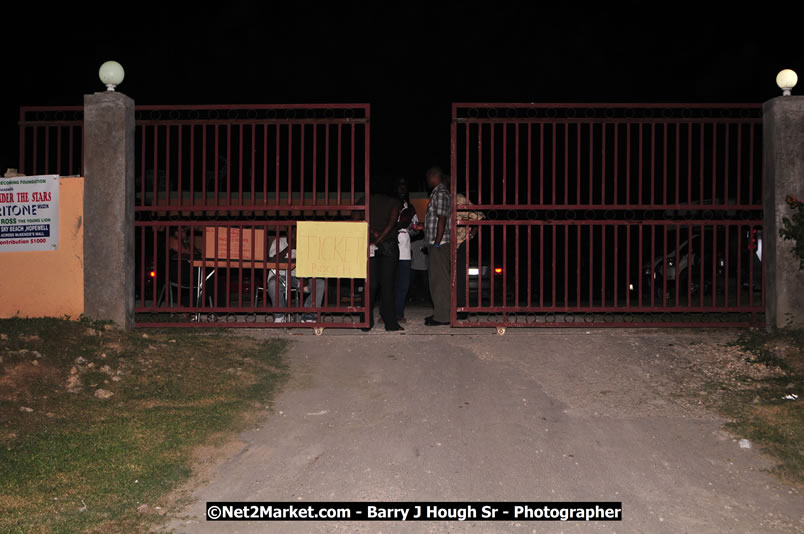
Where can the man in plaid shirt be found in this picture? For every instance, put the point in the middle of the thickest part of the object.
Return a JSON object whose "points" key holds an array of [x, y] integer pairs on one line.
{"points": [[436, 235]]}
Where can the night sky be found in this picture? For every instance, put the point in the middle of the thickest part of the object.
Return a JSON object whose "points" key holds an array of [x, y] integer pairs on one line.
{"points": [[410, 63]]}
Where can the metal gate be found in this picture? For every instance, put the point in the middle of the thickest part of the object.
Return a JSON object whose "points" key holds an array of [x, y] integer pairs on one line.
{"points": [[607, 215], [219, 190]]}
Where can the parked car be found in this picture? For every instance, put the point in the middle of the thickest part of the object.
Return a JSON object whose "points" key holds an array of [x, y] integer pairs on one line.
{"points": [[485, 279], [692, 270], [684, 270], [144, 282], [754, 238]]}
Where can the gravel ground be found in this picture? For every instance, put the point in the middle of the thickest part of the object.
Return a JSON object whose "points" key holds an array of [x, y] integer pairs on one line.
{"points": [[453, 414]]}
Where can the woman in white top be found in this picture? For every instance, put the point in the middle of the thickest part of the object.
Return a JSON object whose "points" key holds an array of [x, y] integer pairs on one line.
{"points": [[407, 220], [280, 299]]}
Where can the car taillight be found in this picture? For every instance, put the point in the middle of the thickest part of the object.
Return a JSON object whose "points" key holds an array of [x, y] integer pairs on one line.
{"points": [[498, 270], [753, 244]]}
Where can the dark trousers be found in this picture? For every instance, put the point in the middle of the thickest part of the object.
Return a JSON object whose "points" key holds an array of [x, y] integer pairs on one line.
{"points": [[187, 288], [402, 285], [460, 281], [419, 286], [439, 274], [383, 278]]}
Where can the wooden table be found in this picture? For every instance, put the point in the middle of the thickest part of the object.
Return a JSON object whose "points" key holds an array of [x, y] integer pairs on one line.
{"points": [[243, 264]]}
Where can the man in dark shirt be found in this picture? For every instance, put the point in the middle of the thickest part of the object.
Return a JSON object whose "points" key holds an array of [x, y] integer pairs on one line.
{"points": [[383, 216], [437, 235]]}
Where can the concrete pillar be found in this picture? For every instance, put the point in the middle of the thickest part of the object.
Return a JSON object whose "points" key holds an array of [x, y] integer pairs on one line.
{"points": [[109, 207], [783, 139]]}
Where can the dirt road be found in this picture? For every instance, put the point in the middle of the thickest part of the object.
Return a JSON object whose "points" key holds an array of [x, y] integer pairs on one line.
{"points": [[533, 415]]}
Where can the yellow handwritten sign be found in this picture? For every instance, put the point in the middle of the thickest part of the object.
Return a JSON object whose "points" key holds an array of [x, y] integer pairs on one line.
{"points": [[331, 249]]}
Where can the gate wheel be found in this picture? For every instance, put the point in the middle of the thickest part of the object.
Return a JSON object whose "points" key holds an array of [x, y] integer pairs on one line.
{"points": [[318, 330], [501, 330]]}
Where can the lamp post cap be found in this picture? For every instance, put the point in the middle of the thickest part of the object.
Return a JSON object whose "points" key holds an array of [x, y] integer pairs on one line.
{"points": [[786, 80], [111, 74]]}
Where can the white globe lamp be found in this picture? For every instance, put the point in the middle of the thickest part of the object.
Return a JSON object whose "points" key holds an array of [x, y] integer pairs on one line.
{"points": [[111, 74], [786, 80]]}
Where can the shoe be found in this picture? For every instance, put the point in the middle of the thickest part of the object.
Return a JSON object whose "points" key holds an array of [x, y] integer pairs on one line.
{"points": [[279, 319], [432, 322], [308, 318], [396, 328]]}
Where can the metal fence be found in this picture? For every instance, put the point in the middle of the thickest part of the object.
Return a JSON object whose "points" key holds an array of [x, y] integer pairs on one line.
{"points": [[51, 140], [219, 190], [607, 214], [580, 214]]}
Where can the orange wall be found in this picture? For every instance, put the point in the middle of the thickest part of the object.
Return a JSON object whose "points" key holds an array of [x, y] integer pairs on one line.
{"points": [[49, 283]]}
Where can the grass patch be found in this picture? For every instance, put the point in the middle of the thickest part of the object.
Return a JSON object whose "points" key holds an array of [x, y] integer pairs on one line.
{"points": [[759, 410], [73, 462]]}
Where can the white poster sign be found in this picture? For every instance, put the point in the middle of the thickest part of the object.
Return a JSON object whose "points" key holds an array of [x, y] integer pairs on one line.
{"points": [[29, 213]]}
